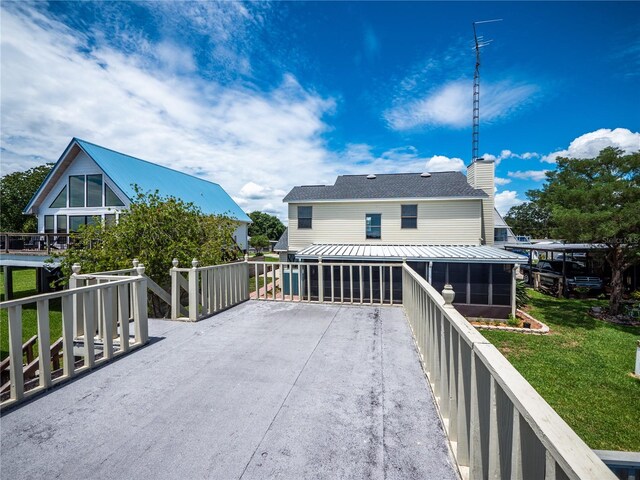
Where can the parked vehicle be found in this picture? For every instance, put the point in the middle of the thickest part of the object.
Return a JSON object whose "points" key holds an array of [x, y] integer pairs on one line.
{"points": [[551, 270]]}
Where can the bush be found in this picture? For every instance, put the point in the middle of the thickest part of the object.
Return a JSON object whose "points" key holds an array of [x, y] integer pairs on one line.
{"points": [[522, 294], [259, 242]]}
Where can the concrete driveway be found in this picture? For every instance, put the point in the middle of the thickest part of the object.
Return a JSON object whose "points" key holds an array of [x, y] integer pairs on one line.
{"points": [[264, 390]]}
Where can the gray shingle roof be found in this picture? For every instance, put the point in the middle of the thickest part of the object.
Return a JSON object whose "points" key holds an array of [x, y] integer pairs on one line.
{"points": [[283, 242], [396, 185]]}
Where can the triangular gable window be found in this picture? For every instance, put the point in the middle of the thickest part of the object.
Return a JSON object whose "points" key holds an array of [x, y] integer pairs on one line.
{"points": [[61, 199], [111, 199]]}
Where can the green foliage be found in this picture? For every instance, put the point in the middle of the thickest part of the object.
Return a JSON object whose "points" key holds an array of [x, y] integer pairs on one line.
{"points": [[522, 294], [265, 224], [529, 219], [16, 189], [582, 369], [513, 321], [598, 200], [259, 242], [154, 230]]}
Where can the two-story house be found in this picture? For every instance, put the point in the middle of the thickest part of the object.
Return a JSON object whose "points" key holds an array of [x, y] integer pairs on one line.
{"points": [[441, 222], [90, 183]]}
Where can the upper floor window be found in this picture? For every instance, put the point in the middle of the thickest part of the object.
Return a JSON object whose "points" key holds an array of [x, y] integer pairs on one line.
{"points": [[409, 216], [304, 216], [110, 198], [373, 225], [61, 199], [94, 190], [76, 191]]}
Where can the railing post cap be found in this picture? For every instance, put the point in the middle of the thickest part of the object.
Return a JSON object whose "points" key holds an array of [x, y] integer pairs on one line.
{"points": [[448, 295], [175, 263], [135, 262], [75, 268], [194, 263], [404, 259], [140, 269], [246, 257], [320, 259]]}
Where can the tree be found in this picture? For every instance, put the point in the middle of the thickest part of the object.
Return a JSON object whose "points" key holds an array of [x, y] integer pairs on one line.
{"points": [[155, 230], [259, 242], [530, 219], [265, 224], [16, 189], [598, 200]]}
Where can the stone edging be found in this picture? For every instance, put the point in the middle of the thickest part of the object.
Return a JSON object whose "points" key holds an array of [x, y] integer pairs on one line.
{"points": [[532, 331]]}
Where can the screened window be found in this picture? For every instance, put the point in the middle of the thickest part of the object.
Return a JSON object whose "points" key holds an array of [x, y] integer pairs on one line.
{"points": [[479, 279], [458, 280], [501, 284], [373, 225], [110, 198], [110, 219], [304, 217], [76, 221], [76, 190], [48, 224], [61, 224], [94, 190], [409, 216], [61, 199]]}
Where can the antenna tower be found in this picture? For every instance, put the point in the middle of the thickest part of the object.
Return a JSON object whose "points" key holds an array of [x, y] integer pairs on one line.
{"points": [[479, 43]]}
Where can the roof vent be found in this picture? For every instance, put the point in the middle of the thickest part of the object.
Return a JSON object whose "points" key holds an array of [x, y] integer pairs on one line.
{"points": [[371, 176], [425, 175]]}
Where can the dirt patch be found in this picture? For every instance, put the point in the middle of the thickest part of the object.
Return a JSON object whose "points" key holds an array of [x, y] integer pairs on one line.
{"points": [[526, 324], [603, 314]]}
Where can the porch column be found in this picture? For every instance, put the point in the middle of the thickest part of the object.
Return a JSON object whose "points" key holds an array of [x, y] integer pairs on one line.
{"points": [[514, 270], [430, 272], [8, 282]]}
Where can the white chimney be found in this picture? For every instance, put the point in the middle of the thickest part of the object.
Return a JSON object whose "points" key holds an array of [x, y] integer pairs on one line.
{"points": [[481, 175]]}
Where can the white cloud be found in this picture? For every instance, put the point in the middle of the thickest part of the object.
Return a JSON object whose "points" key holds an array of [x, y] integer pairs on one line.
{"points": [[226, 134], [504, 154], [507, 199], [590, 144], [502, 181], [450, 105], [441, 163], [535, 175]]}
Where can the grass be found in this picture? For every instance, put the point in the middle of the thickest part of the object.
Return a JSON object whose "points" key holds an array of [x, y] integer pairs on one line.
{"points": [[24, 285], [252, 282], [582, 369]]}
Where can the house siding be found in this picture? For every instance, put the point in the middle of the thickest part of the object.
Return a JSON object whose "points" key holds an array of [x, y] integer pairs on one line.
{"points": [[481, 174], [440, 222], [82, 164]]}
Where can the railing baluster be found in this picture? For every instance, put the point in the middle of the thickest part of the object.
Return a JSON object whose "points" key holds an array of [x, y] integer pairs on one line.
{"points": [[68, 367], [44, 344], [391, 285], [341, 284], [361, 285], [381, 285], [15, 352], [332, 283], [107, 319], [123, 316], [273, 281], [89, 328], [371, 284], [308, 282], [351, 284]]}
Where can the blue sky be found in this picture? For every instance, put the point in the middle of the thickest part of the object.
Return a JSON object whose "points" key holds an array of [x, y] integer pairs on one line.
{"points": [[260, 97]]}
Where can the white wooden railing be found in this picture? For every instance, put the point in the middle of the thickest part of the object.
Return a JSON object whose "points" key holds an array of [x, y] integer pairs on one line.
{"points": [[498, 425], [352, 283], [210, 289], [107, 304]]}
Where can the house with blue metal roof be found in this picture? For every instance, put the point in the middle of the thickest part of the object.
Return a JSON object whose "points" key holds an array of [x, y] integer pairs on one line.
{"points": [[89, 182]]}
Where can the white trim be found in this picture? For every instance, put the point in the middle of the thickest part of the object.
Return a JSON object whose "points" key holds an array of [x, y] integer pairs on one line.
{"points": [[396, 199]]}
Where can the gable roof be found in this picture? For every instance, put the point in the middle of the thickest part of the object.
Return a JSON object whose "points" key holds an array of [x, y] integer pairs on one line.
{"points": [[388, 186], [126, 171], [283, 242]]}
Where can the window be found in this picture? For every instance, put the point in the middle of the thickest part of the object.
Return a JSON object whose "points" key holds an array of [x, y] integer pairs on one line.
{"points": [[61, 199], [500, 234], [76, 190], [409, 216], [76, 221], [61, 224], [110, 198], [304, 217], [110, 219], [48, 224], [94, 190], [374, 225]]}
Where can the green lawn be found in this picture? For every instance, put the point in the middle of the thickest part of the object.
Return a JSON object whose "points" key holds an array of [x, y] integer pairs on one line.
{"points": [[252, 282], [582, 368], [24, 285]]}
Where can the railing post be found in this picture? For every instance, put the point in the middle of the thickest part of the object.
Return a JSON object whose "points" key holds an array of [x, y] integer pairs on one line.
{"points": [[15, 352], [193, 291], [175, 290], [448, 295], [141, 324], [638, 359], [320, 280], [514, 270]]}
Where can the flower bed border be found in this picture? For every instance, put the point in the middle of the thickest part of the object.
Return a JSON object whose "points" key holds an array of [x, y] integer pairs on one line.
{"points": [[543, 330]]}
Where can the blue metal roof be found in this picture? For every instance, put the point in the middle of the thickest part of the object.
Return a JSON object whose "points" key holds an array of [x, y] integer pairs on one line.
{"points": [[126, 171]]}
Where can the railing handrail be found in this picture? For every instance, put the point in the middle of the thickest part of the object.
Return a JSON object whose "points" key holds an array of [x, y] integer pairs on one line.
{"points": [[65, 293], [561, 444]]}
